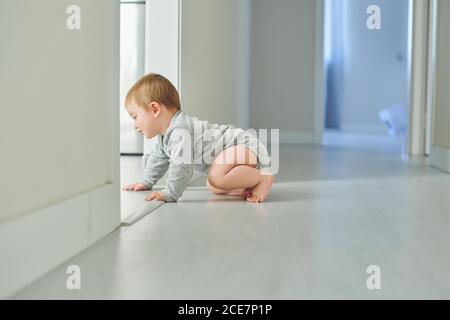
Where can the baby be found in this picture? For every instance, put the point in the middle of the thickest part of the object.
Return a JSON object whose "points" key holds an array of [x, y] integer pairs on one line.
{"points": [[235, 161]]}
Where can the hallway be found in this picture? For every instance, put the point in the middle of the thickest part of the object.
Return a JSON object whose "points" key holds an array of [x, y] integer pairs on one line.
{"points": [[332, 213]]}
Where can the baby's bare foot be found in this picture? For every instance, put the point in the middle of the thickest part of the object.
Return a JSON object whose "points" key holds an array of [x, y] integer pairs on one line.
{"points": [[239, 192], [236, 192], [260, 192]]}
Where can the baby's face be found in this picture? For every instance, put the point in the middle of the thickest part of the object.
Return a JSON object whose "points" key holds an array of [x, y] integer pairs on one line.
{"points": [[144, 121]]}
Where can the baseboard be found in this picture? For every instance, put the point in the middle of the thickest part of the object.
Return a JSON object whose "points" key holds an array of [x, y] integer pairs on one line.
{"points": [[364, 128], [440, 158], [38, 242], [297, 137]]}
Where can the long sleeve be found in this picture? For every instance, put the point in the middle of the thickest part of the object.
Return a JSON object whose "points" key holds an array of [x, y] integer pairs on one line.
{"points": [[177, 181], [181, 168], [156, 167]]}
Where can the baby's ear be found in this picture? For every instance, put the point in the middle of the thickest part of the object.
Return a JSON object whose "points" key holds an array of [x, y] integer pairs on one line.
{"points": [[154, 108]]}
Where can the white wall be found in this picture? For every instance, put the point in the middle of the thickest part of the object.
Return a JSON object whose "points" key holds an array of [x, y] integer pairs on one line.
{"points": [[440, 96], [162, 39], [442, 111], [55, 86], [204, 51], [59, 134], [283, 67], [242, 62], [214, 74]]}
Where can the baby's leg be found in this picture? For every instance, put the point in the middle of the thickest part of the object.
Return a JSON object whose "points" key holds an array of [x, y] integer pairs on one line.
{"points": [[237, 192], [234, 170]]}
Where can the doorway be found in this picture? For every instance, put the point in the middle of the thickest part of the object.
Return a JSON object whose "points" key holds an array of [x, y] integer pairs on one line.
{"points": [[366, 72], [132, 68]]}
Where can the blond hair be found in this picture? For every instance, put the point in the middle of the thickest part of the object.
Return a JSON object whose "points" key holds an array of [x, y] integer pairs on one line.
{"points": [[154, 88]]}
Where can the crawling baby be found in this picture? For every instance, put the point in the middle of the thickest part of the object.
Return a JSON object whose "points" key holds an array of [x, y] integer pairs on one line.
{"points": [[235, 160]]}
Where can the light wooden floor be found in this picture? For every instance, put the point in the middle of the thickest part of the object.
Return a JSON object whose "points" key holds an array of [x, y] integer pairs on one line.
{"points": [[332, 213]]}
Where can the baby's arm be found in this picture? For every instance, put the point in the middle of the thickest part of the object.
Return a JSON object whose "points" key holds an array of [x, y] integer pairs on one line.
{"points": [[181, 168], [177, 181], [156, 167]]}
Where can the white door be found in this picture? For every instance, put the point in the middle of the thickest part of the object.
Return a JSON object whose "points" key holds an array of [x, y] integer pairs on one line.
{"points": [[59, 133], [440, 140]]}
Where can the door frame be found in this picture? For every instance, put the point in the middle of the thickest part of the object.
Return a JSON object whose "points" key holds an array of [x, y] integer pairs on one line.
{"points": [[419, 75], [166, 15], [431, 76], [319, 74]]}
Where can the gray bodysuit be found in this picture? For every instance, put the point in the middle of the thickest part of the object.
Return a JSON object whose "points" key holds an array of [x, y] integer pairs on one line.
{"points": [[191, 144]]}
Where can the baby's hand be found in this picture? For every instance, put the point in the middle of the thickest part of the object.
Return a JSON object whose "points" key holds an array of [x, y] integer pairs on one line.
{"points": [[157, 196], [135, 187]]}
